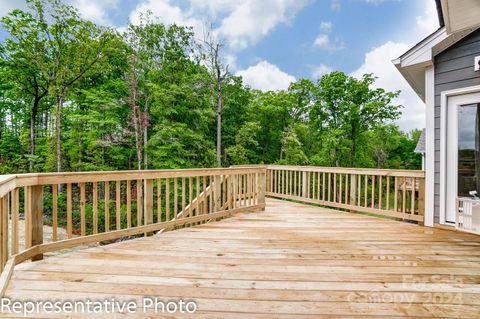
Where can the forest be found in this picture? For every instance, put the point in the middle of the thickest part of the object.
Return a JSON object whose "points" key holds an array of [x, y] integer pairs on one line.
{"points": [[76, 96]]}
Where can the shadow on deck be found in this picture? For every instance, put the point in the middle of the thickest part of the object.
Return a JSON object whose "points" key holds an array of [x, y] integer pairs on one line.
{"points": [[292, 260]]}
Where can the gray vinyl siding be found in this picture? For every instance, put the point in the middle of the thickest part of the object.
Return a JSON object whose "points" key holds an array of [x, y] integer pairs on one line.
{"points": [[453, 70]]}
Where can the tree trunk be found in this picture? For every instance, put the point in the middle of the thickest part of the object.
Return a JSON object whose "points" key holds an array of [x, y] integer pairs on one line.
{"points": [[219, 119], [59, 132], [138, 136], [353, 146], [33, 120]]}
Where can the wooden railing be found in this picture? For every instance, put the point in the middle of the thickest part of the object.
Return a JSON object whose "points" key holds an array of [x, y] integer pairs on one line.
{"points": [[91, 207], [393, 193]]}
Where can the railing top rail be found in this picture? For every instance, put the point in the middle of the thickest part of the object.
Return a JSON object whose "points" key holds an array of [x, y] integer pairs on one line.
{"points": [[20, 180], [7, 184], [345, 170]]}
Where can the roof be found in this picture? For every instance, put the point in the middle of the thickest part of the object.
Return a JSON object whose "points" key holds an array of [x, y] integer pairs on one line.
{"points": [[413, 63], [459, 15], [420, 148]]}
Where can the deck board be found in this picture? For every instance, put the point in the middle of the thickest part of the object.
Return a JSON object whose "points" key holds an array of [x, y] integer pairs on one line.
{"points": [[292, 260]]}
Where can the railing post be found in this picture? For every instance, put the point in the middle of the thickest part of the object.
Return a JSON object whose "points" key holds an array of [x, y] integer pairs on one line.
{"points": [[217, 193], [268, 180], [262, 186], [353, 189], [35, 214], [148, 203], [421, 198], [304, 184]]}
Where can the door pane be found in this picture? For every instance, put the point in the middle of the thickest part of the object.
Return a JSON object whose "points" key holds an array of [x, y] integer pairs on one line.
{"points": [[468, 149]]}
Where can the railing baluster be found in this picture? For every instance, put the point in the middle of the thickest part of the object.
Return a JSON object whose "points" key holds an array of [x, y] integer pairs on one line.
{"points": [[359, 190], [159, 200], [347, 194], [82, 210], [129, 204], [205, 196], [15, 220], [69, 211], [175, 197], [366, 190], [388, 193], [54, 214], [184, 215], [373, 192], [395, 194], [380, 189], [335, 187], [107, 206], [118, 205], [95, 207], [323, 186], [190, 196], [340, 187], [167, 199], [139, 203], [329, 198], [413, 196], [198, 196]]}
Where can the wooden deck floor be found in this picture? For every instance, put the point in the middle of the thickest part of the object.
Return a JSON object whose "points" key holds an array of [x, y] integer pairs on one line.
{"points": [[292, 260]]}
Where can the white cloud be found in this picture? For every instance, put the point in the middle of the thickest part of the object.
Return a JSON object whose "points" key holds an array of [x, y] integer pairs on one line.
{"points": [[319, 71], [231, 61], [167, 13], [241, 23], [95, 10], [428, 21], [378, 61], [336, 5], [266, 76], [326, 26], [251, 20], [322, 41]]}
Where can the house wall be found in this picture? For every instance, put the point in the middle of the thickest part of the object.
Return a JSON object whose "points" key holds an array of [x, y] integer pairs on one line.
{"points": [[453, 70]]}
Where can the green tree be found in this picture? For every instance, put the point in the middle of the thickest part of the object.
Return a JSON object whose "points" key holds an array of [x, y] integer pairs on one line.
{"points": [[245, 149], [346, 109], [292, 149]]}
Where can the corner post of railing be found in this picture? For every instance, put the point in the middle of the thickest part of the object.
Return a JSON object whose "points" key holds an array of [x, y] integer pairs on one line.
{"points": [[148, 203], [421, 199], [34, 218], [304, 184], [262, 186], [268, 179], [353, 189]]}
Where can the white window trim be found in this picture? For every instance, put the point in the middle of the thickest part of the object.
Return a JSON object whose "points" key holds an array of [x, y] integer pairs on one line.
{"points": [[445, 95]]}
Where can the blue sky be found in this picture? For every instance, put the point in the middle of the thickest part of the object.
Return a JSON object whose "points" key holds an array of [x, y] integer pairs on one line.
{"points": [[273, 42]]}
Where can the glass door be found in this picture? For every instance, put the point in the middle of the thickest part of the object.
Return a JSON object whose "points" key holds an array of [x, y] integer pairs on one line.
{"points": [[468, 158], [461, 166]]}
